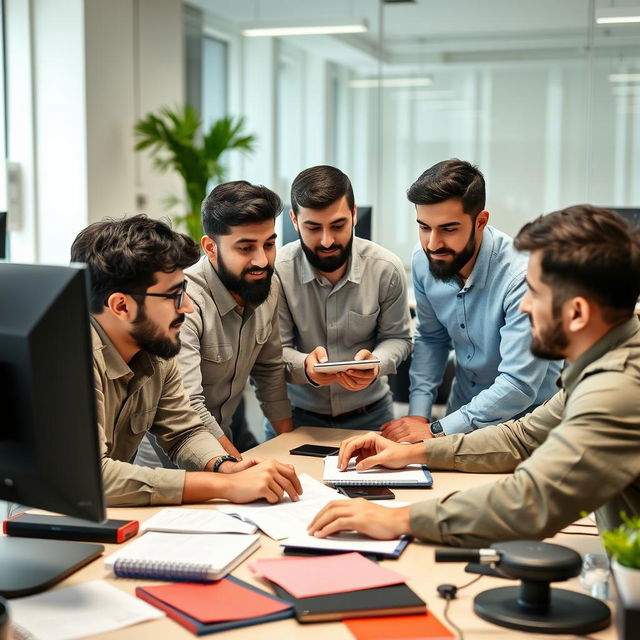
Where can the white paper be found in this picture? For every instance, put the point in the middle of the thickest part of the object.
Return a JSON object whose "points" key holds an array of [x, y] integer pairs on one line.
{"points": [[283, 519], [76, 612], [195, 521], [411, 475], [344, 541]]}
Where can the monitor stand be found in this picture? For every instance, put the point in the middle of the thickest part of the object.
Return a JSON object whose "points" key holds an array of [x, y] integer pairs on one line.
{"points": [[29, 565]]}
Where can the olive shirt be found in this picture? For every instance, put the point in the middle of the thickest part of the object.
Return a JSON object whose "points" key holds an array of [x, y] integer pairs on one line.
{"points": [[580, 451], [144, 395], [223, 344]]}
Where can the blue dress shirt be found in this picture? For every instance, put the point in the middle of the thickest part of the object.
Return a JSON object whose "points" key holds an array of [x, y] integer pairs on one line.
{"points": [[496, 376]]}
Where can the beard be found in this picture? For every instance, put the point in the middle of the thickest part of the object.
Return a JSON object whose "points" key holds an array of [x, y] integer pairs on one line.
{"points": [[445, 271], [149, 338], [327, 264], [552, 342], [255, 292]]}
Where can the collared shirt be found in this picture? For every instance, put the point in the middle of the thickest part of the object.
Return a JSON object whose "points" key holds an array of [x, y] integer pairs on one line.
{"points": [[496, 376], [366, 309], [223, 344], [131, 399], [578, 452]]}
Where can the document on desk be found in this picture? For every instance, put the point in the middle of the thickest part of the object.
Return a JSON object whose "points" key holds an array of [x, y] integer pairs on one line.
{"points": [[285, 518], [173, 520], [76, 612]]}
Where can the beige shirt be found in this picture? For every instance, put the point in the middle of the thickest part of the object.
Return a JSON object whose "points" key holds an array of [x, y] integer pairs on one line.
{"points": [[131, 399], [578, 452], [367, 309], [223, 345]]}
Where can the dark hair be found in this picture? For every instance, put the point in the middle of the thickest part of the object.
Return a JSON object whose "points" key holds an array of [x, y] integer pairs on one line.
{"points": [[587, 251], [450, 180], [123, 255], [233, 204], [321, 186]]}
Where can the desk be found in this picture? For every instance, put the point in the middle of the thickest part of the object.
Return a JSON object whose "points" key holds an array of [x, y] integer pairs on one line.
{"points": [[416, 562]]}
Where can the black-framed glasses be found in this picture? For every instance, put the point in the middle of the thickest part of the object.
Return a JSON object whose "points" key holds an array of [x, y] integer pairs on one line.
{"points": [[178, 298]]}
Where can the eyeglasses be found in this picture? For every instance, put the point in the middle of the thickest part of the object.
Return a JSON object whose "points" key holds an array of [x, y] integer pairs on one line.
{"points": [[178, 298]]}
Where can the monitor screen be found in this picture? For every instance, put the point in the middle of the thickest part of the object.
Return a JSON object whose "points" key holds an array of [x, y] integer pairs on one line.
{"points": [[631, 215], [363, 226], [49, 454]]}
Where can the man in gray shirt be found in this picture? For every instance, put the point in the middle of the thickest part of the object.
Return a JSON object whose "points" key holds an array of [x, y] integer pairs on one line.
{"points": [[342, 298]]}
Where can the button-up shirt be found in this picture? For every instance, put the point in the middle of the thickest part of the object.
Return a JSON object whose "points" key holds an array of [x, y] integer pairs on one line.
{"points": [[223, 345], [496, 376], [366, 309], [578, 452], [144, 395]]}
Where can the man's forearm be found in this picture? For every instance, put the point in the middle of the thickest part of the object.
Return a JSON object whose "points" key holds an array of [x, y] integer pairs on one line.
{"points": [[282, 426]]}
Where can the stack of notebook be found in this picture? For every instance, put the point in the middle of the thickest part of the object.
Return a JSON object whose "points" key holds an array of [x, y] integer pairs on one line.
{"points": [[339, 587]]}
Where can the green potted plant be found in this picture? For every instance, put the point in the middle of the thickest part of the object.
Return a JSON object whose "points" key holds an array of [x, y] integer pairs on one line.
{"points": [[623, 544], [175, 142]]}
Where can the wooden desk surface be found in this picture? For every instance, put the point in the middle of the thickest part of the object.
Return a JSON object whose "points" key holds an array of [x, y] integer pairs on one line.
{"points": [[417, 563]]}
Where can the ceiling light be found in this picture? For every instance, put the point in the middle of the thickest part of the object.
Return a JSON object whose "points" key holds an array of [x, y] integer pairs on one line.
{"points": [[306, 28], [619, 15], [624, 77], [395, 83]]}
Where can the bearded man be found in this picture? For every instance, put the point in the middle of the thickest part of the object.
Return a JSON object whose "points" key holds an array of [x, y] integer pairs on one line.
{"points": [[342, 298], [468, 281]]}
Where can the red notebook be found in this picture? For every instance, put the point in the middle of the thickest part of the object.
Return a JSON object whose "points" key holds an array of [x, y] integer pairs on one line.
{"points": [[421, 627], [215, 606]]}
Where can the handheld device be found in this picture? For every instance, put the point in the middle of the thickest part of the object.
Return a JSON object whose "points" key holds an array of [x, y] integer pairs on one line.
{"points": [[28, 525], [345, 365], [315, 451], [368, 493]]}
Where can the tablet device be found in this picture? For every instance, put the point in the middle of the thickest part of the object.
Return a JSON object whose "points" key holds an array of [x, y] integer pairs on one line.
{"points": [[315, 450], [335, 367]]}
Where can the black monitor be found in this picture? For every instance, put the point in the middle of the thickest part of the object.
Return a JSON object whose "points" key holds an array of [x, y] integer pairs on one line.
{"points": [[630, 214], [363, 226], [3, 235], [49, 452]]}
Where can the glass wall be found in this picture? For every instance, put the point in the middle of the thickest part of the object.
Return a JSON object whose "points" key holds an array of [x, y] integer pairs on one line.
{"points": [[543, 99]]}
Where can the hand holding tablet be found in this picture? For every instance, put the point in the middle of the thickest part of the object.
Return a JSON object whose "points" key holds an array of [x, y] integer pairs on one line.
{"points": [[345, 365]]}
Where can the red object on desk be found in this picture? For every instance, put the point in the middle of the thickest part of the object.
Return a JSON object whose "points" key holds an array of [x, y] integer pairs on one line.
{"points": [[422, 627]]}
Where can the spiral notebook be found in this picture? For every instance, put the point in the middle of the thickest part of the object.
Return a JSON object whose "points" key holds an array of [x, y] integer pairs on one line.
{"points": [[413, 475], [199, 557]]}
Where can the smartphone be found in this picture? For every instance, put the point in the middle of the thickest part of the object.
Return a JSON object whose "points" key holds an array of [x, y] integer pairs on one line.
{"points": [[315, 450], [28, 525], [367, 492], [335, 367]]}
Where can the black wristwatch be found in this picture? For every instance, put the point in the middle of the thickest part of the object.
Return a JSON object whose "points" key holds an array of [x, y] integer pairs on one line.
{"points": [[221, 460], [436, 429]]}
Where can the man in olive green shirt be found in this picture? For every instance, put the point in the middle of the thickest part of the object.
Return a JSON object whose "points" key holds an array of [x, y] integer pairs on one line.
{"points": [[579, 451], [138, 304]]}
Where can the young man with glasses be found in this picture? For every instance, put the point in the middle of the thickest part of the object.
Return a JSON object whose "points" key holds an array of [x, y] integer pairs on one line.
{"points": [[138, 305]]}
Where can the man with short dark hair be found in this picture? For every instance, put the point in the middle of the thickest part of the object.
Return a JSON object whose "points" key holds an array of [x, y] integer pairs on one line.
{"points": [[138, 305], [579, 451], [343, 298], [468, 282]]}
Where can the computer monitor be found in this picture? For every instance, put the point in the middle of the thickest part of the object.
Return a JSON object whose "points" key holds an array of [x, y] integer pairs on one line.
{"points": [[630, 214], [363, 226], [3, 235], [49, 451]]}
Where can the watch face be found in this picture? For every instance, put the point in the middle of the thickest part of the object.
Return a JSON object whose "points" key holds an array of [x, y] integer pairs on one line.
{"points": [[436, 427]]}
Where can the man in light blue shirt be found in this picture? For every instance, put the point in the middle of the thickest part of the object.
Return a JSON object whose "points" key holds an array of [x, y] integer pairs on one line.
{"points": [[468, 281]]}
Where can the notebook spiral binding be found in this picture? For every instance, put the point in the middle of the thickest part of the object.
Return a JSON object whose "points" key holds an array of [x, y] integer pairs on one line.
{"points": [[146, 569]]}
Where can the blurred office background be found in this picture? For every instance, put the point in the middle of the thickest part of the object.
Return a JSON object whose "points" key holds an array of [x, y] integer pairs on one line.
{"points": [[540, 95]]}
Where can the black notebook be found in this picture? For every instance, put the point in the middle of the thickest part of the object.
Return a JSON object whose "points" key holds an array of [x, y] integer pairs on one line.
{"points": [[395, 600]]}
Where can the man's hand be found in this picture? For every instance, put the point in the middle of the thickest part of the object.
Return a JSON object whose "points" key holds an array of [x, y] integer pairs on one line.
{"points": [[319, 354], [235, 467], [407, 429], [357, 379], [360, 515], [372, 449], [268, 479]]}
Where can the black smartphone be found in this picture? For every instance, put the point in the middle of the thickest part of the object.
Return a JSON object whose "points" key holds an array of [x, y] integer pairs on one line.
{"points": [[314, 450], [368, 493], [28, 525]]}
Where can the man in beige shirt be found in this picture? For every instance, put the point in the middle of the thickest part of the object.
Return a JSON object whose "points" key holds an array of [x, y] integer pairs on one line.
{"points": [[138, 304], [577, 452]]}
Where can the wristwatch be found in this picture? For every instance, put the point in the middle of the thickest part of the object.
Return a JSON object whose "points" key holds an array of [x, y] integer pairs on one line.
{"points": [[221, 460], [436, 429]]}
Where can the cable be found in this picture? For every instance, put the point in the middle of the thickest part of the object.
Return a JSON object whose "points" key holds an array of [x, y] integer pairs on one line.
{"points": [[448, 592]]}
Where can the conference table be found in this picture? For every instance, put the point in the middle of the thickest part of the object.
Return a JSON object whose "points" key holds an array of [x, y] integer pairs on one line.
{"points": [[416, 563]]}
